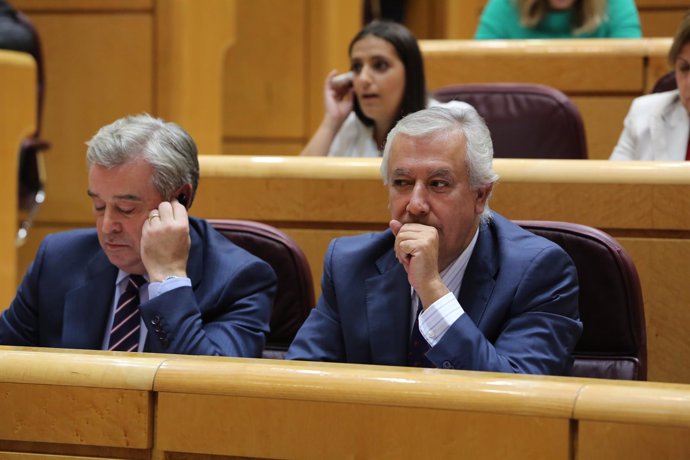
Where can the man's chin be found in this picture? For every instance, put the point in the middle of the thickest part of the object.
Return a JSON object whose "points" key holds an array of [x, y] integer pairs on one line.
{"points": [[126, 264]]}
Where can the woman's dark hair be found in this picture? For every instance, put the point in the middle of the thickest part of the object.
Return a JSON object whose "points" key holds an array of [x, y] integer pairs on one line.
{"points": [[405, 44], [681, 39]]}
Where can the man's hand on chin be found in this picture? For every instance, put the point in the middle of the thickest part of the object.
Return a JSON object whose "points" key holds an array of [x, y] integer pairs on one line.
{"points": [[416, 248]]}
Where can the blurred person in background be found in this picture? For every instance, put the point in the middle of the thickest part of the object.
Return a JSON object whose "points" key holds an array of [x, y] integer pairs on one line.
{"points": [[657, 125], [386, 82], [505, 19]]}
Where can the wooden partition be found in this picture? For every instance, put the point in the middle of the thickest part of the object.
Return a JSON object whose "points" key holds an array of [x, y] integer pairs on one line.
{"points": [[83, 405], [76, 404], [275, 409], [17, 120], [642, 204], [601, 76]]}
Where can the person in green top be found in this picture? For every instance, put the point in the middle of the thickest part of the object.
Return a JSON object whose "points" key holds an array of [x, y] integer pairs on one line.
{"points": [[505, 19]]}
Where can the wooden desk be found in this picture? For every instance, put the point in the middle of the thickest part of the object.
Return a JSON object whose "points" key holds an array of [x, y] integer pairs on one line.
{"points": [[76, 403], [79, 404], [642, 204], [275, 409], [632, 420], [601, 76], [17, 120]]}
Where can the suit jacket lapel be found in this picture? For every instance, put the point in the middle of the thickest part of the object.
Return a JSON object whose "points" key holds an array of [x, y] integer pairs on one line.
{"points": [[195, 263], [388, 311], [480, 276], [87, 306], [668, 131]]}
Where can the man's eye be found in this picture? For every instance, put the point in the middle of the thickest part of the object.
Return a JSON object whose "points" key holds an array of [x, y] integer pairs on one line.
{"points": [[439, 184], [400, 183], [126, 210], [98, 208]]}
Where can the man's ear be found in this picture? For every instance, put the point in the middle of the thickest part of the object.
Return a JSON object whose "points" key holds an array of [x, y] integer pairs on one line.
{"points": [[184, 195], [483, 194]]}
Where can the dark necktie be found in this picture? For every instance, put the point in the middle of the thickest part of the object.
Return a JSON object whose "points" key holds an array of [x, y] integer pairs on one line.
{"points": [[418, 346], [124, 335]]}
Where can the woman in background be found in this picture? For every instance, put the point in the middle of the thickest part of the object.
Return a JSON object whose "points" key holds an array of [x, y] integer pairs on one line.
{"points": [[657, 125], [386, 82], [503, 19]]}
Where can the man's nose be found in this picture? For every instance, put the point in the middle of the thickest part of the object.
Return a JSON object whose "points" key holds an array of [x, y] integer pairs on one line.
{"points": [[419, 203], [109, 222]]}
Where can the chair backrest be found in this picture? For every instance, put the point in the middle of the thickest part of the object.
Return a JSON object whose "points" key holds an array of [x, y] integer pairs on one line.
{"points": [[525, 120], [666, 82], [295, 296], [613, 343]]}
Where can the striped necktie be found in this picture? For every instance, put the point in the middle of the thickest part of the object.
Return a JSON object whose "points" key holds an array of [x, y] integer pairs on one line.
{"points": [[124, 335]]}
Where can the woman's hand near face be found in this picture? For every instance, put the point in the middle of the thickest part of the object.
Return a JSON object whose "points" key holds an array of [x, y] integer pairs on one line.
{"points": [[337, 100]]}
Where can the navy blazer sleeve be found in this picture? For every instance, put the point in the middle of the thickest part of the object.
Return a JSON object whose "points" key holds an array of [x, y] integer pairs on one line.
{"points": [[234, 324], [540, 327]]}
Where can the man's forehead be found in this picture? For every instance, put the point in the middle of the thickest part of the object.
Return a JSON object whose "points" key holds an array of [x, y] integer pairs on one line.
{"points": [[434, 151]]}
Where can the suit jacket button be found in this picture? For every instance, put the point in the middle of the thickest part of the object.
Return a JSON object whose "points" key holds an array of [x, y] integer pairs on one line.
{"points": [[448, 365], [156, 320]]}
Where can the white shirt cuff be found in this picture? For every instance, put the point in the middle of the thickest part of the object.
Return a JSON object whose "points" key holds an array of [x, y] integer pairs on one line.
{"points": [[160, 288], [435, 321]]}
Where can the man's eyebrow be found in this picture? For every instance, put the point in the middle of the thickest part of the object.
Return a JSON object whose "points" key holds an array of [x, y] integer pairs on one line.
{"points": [[127, 196], [401, 172], [442, 172]]}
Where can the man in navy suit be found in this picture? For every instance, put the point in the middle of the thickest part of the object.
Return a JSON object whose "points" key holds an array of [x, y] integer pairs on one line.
{"points": [[202, 294], [492, 296]]}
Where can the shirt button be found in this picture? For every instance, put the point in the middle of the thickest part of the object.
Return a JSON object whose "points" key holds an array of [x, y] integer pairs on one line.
{"points": [[432, 334]]}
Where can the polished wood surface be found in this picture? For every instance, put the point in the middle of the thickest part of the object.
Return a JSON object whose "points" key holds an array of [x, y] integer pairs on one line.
{"points": [[601, 76], [83, 5], [191, 43], [633, 421], [67, 403], [275, 105], [76, 399], [17, 121], [642, 204], [231, 409]]}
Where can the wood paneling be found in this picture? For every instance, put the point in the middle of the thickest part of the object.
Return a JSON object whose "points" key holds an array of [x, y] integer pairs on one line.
{"points": [[191, 43], [94, 404], [17, 121], [77, 401], [98, 68]]}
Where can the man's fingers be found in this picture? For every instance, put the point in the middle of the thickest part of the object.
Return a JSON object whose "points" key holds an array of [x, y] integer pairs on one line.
{"points": [[395, 226]]}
